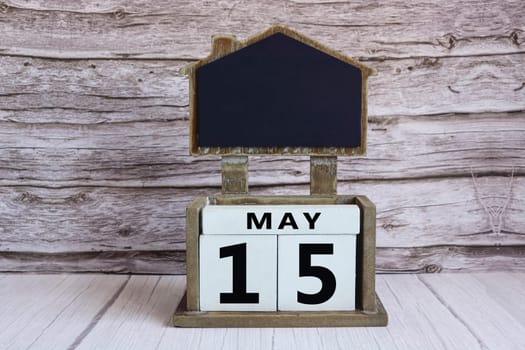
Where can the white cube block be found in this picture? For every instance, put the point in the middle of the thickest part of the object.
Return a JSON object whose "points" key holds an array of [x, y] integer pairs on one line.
{"points": [[316, 272], [244, 278], [280, 219]]}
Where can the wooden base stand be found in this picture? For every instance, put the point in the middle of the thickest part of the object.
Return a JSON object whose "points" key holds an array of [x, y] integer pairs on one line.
{"points": [[223, 319]]}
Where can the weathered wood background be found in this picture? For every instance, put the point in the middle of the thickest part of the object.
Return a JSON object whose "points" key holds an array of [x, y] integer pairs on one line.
{"points": [[94, 166]]}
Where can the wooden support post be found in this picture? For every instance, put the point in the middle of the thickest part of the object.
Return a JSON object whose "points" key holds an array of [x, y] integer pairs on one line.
{"points": [[366, 261], [192, 253], [234, 175], [323, 175]]}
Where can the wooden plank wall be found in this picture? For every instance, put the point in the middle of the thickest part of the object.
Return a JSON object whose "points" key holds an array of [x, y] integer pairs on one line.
{"points": [[94, 166]]}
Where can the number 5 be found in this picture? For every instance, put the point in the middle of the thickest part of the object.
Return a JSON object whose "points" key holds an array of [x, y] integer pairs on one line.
{"points": [[306, 269]]}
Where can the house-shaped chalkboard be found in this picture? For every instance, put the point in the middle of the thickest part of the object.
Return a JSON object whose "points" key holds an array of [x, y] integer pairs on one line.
{"points": [[278, 92]]}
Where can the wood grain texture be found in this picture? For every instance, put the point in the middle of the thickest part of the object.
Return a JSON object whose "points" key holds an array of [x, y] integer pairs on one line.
{"points": [[412, 307], [323, 175], [182, 29], [503, 288], [94, 166], [445, 311], [91, 91], [234, 174], [468, 299], [37, 309], [95, 219], [280, 319], [192, 253], [144, 305], [122, 262], [47, 220], [104, 91], [154, 154], [450, 258], [431, 259], [433, 85], [85, 219], [366, 253]]}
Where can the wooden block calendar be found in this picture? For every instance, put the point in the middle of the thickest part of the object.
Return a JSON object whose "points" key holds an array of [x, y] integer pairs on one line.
{"points": [[367, 309], [258, 249], [279, 261]]}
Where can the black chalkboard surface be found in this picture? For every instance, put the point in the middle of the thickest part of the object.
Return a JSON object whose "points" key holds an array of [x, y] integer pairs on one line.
{"points": [[278, 92]]}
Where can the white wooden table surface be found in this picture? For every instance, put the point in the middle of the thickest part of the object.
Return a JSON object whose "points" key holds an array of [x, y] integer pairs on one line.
{"points": [[434, 311]]}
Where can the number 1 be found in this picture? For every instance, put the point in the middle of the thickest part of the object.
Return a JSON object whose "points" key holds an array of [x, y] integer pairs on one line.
{"points": [[239, 294]]}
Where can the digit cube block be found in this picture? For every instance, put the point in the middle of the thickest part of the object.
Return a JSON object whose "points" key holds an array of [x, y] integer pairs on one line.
{"points": [[249, 265], [316, 272]]}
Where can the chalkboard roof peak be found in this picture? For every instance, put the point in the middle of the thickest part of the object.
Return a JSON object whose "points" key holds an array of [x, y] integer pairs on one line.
{"points": [[223, 45]]}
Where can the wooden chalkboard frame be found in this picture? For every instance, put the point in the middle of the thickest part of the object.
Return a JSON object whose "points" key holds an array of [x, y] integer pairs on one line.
{"points": [[225, 45]]}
